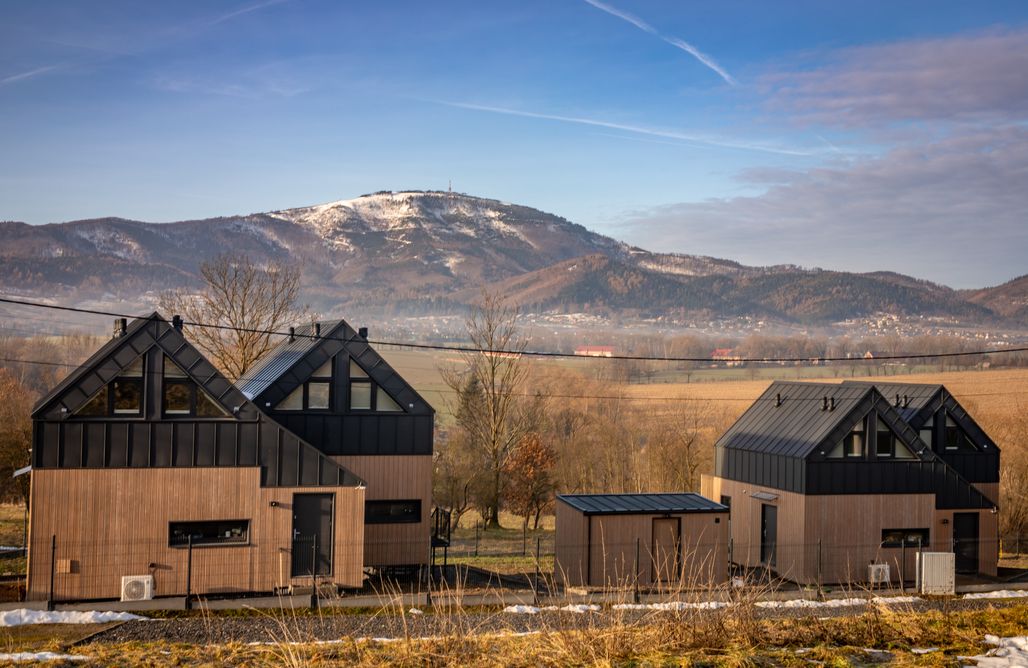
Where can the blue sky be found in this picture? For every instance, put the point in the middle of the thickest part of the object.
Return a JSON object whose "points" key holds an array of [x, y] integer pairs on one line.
{"points": [[859, 136]]}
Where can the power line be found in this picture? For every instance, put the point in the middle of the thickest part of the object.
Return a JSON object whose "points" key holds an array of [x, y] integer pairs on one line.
{"points": [[531, 353]]}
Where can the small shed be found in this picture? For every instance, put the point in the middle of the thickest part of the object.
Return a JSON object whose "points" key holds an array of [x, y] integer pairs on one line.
{"points": [[658, 540]]}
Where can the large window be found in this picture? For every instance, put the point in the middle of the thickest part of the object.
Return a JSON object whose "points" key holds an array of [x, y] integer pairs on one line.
{"points": [[211, 532], [853, 443], [905, 538], [956, 438], [182, 396], [888, 445], [366, 395], [313, 395], [392, 512], [123, 396]]}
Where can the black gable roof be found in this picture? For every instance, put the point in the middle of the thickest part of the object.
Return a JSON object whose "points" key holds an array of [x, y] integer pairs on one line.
{"points": [[916, 400], [290, 363]]}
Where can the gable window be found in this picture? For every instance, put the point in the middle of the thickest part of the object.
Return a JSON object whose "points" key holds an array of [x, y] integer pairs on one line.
{"points": [[181, 396], [215, 532], [366, 395], [314, 395], [956, 438], [926, 435], [122, 396], [392, 512], [853, 443], [888, 445]]}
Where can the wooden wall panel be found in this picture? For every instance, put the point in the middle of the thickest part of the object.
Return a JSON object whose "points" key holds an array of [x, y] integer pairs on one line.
{"points": [[114, 522], [396, 477], [571, 540]]}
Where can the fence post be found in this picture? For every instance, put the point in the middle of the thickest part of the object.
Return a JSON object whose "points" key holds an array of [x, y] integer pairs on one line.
{"points": [[535, 584], [820, 589], [477, 524], [524, 538], [635, 594], [189, 573], [53, 571], [903, 565]]}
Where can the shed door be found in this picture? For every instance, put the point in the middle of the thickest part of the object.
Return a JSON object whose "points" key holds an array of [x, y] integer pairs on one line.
{"points": [[768, 534], [312, 534], [667, 541], [965, 542]]}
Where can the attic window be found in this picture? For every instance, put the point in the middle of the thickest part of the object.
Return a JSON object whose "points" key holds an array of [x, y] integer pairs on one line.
{"points": [[888, 445], [122, 396], [314, 395], [853, 444], [366, 395], [956, 438], [182, 396]]}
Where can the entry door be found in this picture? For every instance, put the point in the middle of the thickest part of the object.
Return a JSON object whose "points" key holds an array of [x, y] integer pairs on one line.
{"points": [[768, 534], [965, 542], [667, 541], [312, 534]]}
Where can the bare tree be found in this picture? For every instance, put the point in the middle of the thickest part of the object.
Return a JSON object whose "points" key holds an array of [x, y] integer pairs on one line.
{"points": [[246, 301], [15, 435], [488, 385]]}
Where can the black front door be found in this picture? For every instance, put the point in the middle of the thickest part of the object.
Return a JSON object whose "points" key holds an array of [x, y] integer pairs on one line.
{"points": [[965, 542], [312, 534], [768, 534]]}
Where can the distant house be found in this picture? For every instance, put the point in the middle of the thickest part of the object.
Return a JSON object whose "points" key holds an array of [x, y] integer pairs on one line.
{"points": [[726, 356], [146, 451], [595, 351], [825, 479], [330, 387]]}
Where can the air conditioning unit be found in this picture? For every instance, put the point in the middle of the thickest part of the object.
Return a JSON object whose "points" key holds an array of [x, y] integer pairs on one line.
{"points": [[136, 587], [936, 573], [878, 574]]}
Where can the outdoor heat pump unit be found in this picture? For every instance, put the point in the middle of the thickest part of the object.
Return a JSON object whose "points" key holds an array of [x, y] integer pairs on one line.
{"points": [[878, 574], [136, 587], [936, 573]]}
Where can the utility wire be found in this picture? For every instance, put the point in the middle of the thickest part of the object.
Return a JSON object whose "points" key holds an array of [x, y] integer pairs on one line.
{"points": [[528, 353]]}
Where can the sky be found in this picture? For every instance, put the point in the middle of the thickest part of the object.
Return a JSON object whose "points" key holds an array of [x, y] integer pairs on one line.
{"points": [[853, 136]]}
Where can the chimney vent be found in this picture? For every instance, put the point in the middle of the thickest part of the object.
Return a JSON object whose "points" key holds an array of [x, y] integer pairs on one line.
{"points": [[778, 400], [317, 329], [897, 401], [176, 322], [363, 333], [120, 327], [831, 406], [824, 403], [906, 401], [292, 334]]}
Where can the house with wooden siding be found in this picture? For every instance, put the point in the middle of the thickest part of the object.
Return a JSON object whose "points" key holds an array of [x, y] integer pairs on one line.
{"points": [[650, 540], [327, 385], [824, 480], [148, 463]]}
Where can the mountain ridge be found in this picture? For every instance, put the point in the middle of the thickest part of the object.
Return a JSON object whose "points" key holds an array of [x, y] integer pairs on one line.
{"points": [[390, 248]]}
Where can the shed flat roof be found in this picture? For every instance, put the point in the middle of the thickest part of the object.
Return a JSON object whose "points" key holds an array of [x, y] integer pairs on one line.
{"points": [[640, 504]]}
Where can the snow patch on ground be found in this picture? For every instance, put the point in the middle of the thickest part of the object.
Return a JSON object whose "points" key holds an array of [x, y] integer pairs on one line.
{"points": [[837, 602], [22, 617], [415, 611], [42, 656], [579, 608], [1008, 652], [1003, 593], [674, 605]]}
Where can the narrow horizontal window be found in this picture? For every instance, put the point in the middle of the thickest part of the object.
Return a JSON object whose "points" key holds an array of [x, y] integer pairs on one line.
{"points": [[392, 512], [212, 532], [905, 537]]}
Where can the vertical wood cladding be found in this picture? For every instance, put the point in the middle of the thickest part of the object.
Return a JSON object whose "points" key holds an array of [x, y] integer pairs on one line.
{"points": [[115, 522], [395, 478]]}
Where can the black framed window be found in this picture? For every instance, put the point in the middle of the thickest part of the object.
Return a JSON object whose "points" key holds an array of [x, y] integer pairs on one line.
{"points": [[956, 438], [853, 444], [392, 512], [313, 395], [366, 395], [182, 396], [122, 397], [209, 532], [905, 537]]}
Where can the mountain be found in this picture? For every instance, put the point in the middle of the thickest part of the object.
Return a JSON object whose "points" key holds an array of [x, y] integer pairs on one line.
{"points": [[1009, 299], [431, 252]]}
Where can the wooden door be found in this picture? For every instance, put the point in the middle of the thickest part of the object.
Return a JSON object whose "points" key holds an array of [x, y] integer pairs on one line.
{"points": [[667, 542], [312, 534]]}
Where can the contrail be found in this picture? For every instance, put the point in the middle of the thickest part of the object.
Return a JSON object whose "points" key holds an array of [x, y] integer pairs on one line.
{"points": [[653, 132], [673, 41], [27, 75]]}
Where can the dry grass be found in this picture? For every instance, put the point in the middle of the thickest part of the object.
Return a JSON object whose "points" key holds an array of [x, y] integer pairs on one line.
{"points": [[722, 638]]}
